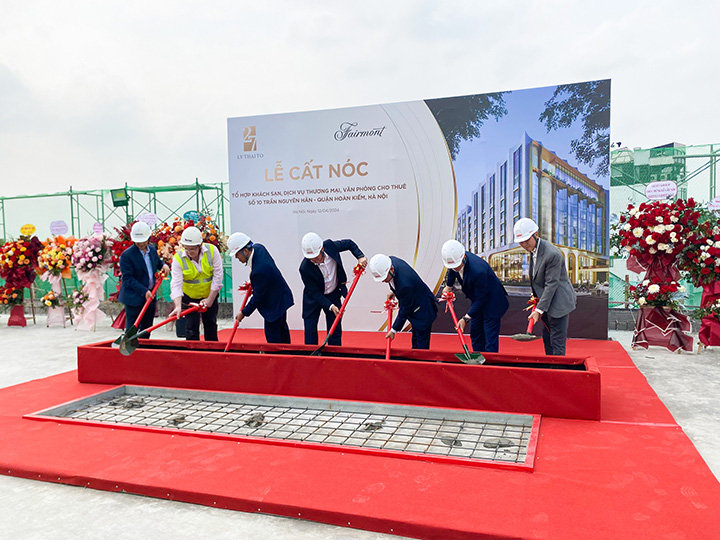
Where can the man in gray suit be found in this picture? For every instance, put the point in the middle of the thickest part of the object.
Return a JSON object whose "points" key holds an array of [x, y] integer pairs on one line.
{"points": [[550, 285]]}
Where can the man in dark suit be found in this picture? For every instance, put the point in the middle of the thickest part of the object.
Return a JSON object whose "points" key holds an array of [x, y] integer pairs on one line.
{"points": [[416, 302], [488, 299], [271, 295], [324, 277], [550, 286], [138, 265]]}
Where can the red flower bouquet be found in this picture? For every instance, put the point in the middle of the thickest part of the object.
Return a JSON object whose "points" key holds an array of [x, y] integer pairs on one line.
{"points": [[19, 260], [655, 293], [655, 233], [120, 243], [10, 296], [701, 258]]}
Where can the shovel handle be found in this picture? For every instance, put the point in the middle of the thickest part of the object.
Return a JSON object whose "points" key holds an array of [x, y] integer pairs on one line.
{"points": [[158, 281], [358, 273], [449, 303], [195, 307], [390, 308], [531, 322], [248, 291]]}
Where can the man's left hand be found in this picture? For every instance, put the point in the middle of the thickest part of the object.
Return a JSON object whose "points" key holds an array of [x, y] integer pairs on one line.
{"points": [[535, 316], [461, 325], [390, 335], [362, 261]]}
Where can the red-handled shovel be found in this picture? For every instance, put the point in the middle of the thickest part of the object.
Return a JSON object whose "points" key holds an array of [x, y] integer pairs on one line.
{"points": [[359, 270], [528, 335], [467, 357], [133, 329], [390, 305], [130, 343], [248, 291]]}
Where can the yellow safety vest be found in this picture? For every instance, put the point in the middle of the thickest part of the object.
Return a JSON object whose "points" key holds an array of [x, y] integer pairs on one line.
{"points": [[196, 284]]}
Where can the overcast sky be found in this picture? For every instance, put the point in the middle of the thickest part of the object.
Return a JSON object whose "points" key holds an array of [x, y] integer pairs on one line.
{"points": [[94, 94]]}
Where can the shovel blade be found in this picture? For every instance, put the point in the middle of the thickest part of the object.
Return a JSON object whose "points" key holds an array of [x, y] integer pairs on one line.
{"points": [[128, 346], [524, 337], [129, 333], [471, 358]]}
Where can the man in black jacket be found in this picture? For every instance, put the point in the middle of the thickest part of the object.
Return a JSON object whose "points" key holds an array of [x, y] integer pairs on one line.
{"points": [[325, 279]]}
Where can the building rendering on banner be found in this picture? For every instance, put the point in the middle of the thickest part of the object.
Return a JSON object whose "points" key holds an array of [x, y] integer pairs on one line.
{"points": [[570, 209]]}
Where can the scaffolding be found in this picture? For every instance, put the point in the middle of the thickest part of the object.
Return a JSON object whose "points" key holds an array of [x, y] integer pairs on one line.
{"points": [[694, 171], [81, 210]]}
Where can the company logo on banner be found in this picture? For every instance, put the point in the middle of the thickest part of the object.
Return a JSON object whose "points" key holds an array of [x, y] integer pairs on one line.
{"points": [[249, 139], [347, 130]]}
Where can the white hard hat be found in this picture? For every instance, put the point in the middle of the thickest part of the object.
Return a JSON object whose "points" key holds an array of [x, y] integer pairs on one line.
{"points": [[380, 266], [311, 245], [237, 241], [524, 229], [191, 237], [452, 253], [140, 232]]}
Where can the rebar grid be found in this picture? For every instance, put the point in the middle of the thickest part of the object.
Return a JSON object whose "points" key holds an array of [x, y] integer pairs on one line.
{"points": [[505, 438]]}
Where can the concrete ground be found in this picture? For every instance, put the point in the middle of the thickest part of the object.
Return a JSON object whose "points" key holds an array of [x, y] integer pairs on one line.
{"points": [[688, 384]]}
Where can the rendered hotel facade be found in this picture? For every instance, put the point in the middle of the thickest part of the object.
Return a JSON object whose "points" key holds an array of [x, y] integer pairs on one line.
{"points": [[570, 209]]}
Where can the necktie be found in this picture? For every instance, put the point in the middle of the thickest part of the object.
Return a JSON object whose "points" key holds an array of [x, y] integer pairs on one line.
{"points": [[532, 272]]}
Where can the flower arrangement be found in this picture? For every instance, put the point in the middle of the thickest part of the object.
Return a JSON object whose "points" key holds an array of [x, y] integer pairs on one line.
{"points": [[10, 296], [711, 310], [56, 255], [657, 228], [701, 258], [167, 237], [120, 243], [51, 300], [92, 252], [653, 292], [78, 299], [18, 261]]}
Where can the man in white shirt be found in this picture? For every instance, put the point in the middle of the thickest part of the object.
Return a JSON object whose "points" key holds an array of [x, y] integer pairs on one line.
{"points": [[324, 277]]}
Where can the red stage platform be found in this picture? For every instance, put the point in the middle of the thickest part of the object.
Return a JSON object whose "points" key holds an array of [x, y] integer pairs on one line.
{"points": [[631, 475]]}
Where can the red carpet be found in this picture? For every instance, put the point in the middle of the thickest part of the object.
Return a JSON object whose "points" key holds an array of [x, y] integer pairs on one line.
{"points": [[632, 475]]}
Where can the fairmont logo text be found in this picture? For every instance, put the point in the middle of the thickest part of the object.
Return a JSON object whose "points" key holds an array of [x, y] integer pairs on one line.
{"points": [[347, 131]]}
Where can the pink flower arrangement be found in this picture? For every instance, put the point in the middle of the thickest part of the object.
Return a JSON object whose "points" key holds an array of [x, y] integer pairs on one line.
{"points": [[92, 252]]}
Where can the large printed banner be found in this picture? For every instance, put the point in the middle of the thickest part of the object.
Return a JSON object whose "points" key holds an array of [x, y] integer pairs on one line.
{"points": [[403, 178], [380, 175]]}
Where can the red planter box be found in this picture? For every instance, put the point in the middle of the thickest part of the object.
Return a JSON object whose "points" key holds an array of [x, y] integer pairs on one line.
{"points": [[561, 387]]}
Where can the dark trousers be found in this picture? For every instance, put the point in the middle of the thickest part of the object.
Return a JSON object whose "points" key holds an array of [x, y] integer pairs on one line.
{"points": [[277, 331], [311, 323], [421, 337], [192, 320], [555, 334], [485, 333], [132, 312]]}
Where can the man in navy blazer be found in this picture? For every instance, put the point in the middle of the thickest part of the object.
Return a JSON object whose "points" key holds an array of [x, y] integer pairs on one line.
{"points": [[271, 295], [488, 298], [324, 277], [138, 265], [416, 302]]}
